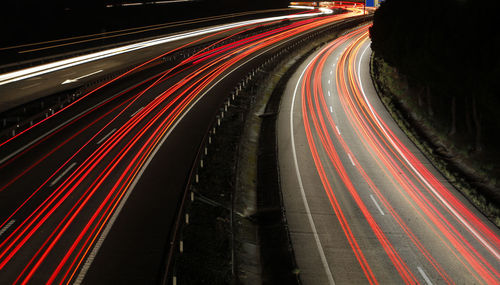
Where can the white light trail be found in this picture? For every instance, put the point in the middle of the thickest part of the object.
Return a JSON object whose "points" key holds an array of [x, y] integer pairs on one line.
{"points": [[78, 78], [301, 7], [62, 64]]}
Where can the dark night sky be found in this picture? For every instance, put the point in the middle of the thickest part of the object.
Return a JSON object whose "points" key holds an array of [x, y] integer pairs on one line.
{"points": [[29, 21]]}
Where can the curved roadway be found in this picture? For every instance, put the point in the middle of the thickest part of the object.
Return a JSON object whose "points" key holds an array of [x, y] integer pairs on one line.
{"points": [[90, 193], [363, 204]]}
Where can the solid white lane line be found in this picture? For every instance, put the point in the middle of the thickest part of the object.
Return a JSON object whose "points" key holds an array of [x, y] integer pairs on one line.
{"points": [[326, 267], [338, 130], [331, 109], [426, 278], [329, 93], [7, 226], [376, 204], [62, 174], [109, 225], [106, 136], [492, 249], [135, 113], [350, 158]]}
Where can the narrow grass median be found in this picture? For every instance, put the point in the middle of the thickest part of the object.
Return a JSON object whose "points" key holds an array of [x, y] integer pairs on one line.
{"points": [[237, 231]]}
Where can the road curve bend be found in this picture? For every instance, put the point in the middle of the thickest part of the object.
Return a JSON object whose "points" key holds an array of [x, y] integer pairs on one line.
{"points": [[362, 202]]}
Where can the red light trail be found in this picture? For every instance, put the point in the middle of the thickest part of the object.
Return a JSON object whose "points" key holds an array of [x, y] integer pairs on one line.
{"points": [[69, 218], [450, 223]]}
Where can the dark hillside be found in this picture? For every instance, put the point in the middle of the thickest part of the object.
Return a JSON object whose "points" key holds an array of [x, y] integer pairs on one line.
{"points": [[446, 53]]}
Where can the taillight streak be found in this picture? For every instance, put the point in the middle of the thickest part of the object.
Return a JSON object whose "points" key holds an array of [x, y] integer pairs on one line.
{"points": [[363, 123], [320, 96], [161, 76], [122, 141], [305, 89]]}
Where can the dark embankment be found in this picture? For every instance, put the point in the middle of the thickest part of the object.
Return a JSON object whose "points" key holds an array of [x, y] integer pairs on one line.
{"points": [[436, 66]]}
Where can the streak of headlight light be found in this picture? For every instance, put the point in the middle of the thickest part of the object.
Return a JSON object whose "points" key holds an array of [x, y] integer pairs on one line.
{"points": [[132, 4], [326, 10], [170, 1], [301, 7], [58, 65]]}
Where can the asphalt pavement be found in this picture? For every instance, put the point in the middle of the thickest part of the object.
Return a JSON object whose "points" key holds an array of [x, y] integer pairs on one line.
{"points": [[89, 195], [362, 202], [19, 87]]}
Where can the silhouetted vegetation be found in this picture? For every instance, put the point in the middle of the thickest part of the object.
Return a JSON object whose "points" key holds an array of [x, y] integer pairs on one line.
{"points": [[445, 55]]}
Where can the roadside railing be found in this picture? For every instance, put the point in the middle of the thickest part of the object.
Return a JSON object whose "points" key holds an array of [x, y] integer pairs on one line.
{"points": [[168, 276]]}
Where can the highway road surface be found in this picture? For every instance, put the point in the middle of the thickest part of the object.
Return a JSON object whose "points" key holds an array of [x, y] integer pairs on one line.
{"points": [[22, 86], [363, 204], [89, 194]]}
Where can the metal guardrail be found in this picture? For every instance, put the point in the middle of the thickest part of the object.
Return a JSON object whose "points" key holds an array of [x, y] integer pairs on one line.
{"points": [[167, 31], [14, 121], [188, 195]]}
